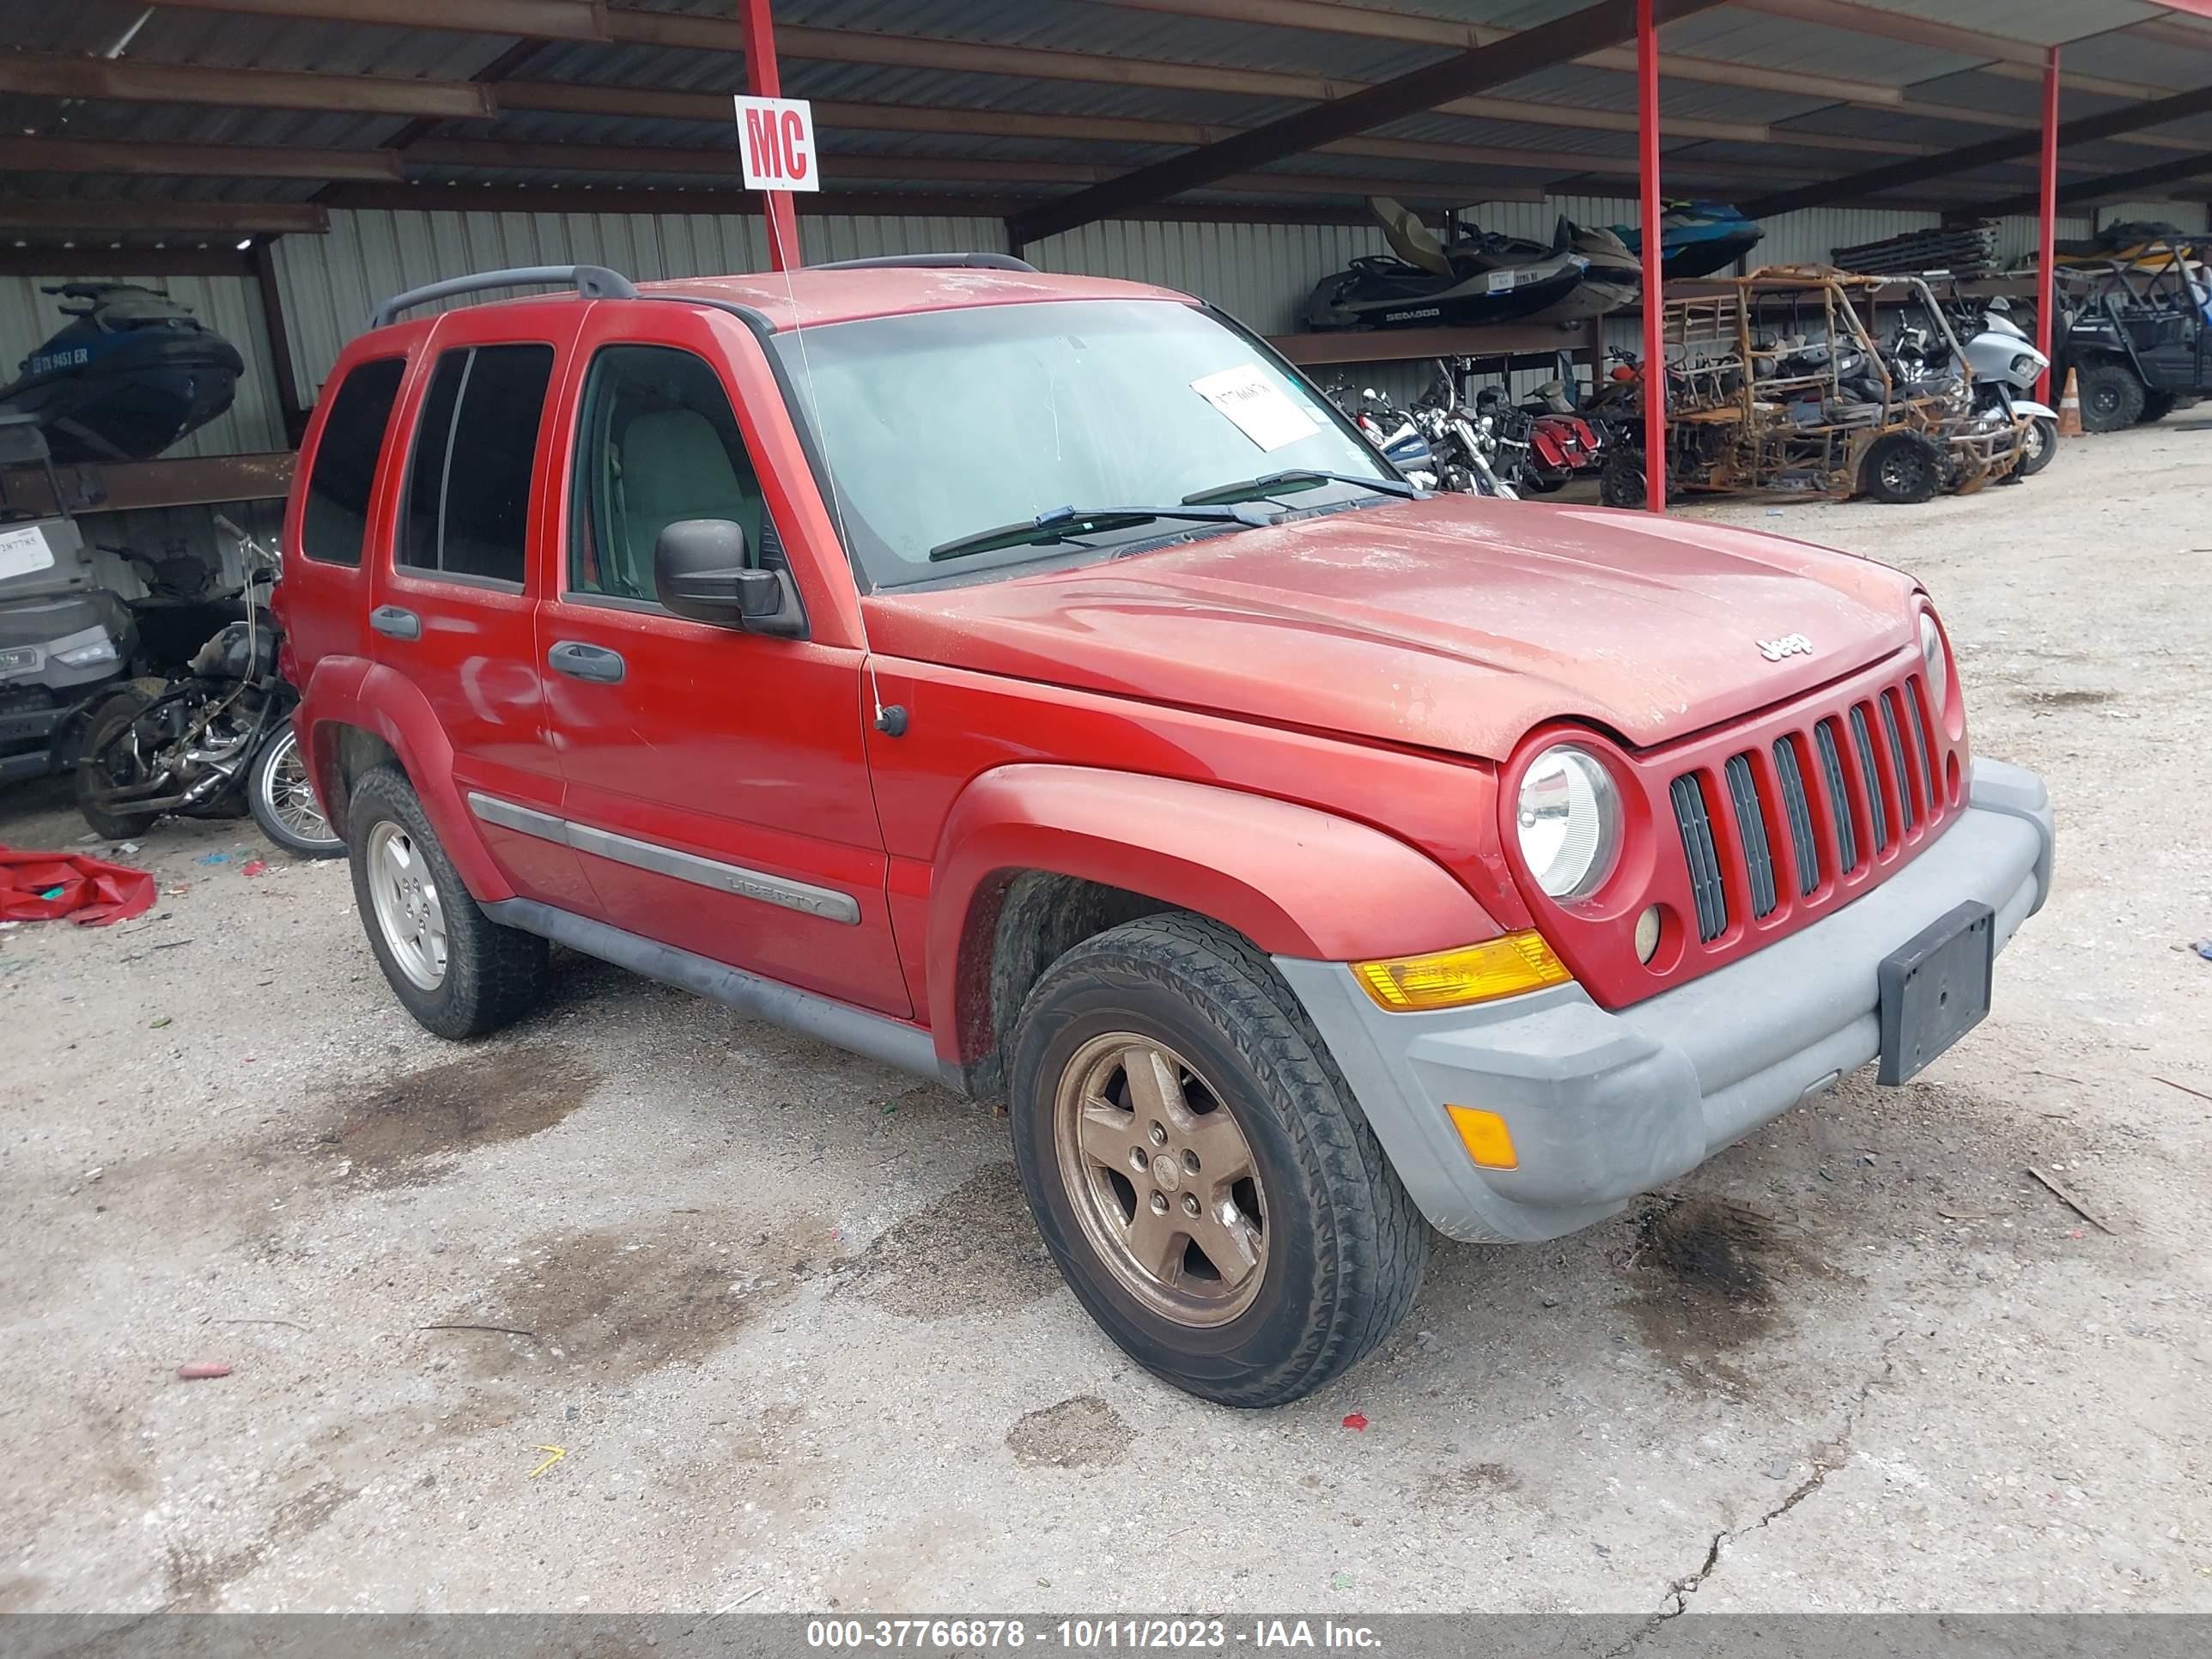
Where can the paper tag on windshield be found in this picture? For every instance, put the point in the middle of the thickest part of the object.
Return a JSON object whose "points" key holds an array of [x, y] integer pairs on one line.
{"points": [[22, 551], [1256, 405]]}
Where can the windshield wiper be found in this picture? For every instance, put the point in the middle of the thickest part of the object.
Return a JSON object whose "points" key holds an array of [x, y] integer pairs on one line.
{"points": [[1064, 523], [1283, 483]]}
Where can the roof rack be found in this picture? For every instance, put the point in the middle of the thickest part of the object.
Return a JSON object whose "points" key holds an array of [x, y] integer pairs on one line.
{"points": [[931, 261], [592, 281]]}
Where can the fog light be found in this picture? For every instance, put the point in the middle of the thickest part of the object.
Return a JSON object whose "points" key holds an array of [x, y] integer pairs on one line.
{"points": [[1485, 1137], [1475, 973], [1647, 933]]}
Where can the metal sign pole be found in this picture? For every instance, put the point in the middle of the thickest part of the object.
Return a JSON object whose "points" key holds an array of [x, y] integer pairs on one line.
{"points": [[761, 75]]}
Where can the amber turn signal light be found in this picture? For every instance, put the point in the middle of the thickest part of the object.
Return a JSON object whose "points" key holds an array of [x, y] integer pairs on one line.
{"points": [[1474, 973], [1485, 1137]]}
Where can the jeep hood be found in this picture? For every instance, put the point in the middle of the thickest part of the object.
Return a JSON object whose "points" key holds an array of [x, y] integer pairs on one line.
{"points": [[1454, 623]]}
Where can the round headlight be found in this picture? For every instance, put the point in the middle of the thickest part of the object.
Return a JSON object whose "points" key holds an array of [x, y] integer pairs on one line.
{"points": [[1569, 814], [1938, 661]]}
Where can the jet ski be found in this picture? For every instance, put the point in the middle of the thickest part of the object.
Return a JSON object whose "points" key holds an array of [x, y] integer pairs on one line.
{"points": [[1477, 278], [1613, 280], [130, 373], [1696, 239]]}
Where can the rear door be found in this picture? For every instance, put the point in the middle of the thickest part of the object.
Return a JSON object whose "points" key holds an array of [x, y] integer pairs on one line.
{"points": [[717, 787], [455, 609]]}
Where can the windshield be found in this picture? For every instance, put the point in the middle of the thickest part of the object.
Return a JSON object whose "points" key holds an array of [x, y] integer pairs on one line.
{"points": [[936, 425]]}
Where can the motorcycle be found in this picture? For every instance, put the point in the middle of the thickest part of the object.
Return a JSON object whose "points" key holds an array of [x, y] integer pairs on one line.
{"points": [[1464, 442], [214, 741], [1392, 431], [2006, 366], [1561, 443]]}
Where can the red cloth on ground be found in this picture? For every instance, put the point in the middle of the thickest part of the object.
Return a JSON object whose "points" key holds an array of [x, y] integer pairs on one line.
{"points": [[92, 891]]}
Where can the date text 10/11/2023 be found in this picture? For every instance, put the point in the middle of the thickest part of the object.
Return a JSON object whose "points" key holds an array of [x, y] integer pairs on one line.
{"points": [[1092, 1635]]}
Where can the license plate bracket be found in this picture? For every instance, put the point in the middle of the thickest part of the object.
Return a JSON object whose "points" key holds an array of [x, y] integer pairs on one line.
{"points": [[1934, 989]]}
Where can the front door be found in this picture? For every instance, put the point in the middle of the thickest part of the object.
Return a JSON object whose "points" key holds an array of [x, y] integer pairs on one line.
{"points": [[717, 787], [454, 608]]}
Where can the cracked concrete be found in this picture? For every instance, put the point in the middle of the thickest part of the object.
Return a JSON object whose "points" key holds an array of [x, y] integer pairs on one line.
{"points": [[801, 1347]]}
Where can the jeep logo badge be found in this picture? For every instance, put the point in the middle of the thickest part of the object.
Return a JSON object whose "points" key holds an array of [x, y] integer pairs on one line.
{"points": [[1790, 645]]}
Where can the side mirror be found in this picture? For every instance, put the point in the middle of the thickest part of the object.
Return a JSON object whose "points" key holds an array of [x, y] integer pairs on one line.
{"points": [[699, 571]]}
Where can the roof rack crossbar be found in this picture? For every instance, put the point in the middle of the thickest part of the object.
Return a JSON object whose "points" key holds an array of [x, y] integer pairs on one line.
{"points": [[931, 261], [592, 281]]}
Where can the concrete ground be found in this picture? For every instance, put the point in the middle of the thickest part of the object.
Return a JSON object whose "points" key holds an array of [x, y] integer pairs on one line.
{"points": [[794, 1337]]}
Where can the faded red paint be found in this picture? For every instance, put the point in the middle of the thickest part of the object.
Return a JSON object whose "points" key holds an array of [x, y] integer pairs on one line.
{"points": [[1311, 730]]}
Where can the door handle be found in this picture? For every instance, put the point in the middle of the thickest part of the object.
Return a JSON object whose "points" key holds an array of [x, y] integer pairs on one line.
{"points": [[394, 622], [580, 661]]}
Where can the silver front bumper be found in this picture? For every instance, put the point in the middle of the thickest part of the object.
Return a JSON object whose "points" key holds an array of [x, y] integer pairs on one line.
{"points": [[1604, 1105]]}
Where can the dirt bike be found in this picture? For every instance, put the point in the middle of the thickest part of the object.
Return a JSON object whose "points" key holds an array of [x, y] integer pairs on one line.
{"points": [[213, 742]]}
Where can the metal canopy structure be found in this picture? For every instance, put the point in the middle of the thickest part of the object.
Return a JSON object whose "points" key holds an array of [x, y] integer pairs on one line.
{"points": [[132, 123]]}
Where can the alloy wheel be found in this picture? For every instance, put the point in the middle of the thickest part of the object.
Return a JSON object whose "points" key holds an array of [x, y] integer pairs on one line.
{"points": [[1161, 1179], [408, 910]]}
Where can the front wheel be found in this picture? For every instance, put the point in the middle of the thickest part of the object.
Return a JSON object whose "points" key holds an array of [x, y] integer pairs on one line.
{"points": [[2037, 445], [2111, 397], [1621, 481], [1199, 1170], [282, 797], [1902, 469]]}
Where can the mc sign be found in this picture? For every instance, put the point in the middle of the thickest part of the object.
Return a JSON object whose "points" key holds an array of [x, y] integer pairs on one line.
{"points": [[776, 136]]}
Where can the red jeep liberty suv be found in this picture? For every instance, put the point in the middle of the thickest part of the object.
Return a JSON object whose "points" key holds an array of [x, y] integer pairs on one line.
{"points": [[1030, 682]]}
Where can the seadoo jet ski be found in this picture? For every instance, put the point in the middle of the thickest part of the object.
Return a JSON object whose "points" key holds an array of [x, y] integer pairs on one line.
{"points": [[1475, 279], [130, 373], [1613, 280], [1696, 239]]}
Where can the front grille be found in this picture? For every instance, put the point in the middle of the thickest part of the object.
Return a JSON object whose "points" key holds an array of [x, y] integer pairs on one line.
{"points": [[1905, 789], [1751, 825], [25, 699], [1831, 769], [1863, 740], [1696, 825], [1804, 851], [1739, 858]]}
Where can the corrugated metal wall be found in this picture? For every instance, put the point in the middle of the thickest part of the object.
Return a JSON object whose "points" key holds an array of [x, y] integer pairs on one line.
{"points": [[329, 284]]}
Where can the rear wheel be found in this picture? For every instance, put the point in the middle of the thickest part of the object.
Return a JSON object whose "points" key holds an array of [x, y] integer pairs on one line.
{"points": [[2037, 445], [2111, 397], [2157, 405], [1901, 469], [113, 761], [460, 973], [1621, 481], [1199, 1170]]}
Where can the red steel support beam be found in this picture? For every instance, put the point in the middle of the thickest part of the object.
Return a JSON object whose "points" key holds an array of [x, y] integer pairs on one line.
{"points": [[2046, 230], [1655, 260], [761, 76]]}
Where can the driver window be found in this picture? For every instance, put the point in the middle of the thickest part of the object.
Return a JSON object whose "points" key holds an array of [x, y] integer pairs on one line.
{"points": [[658, 442]]}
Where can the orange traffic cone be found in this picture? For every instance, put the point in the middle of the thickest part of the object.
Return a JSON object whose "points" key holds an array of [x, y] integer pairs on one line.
{"points": [[2069, 410]]}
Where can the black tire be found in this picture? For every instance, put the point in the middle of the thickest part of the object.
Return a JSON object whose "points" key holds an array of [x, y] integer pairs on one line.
{"points": [[1343, 1245], [2111, 397], [492, 976], [2038, 448], [268, 782], [1621, 481], [109, 722], [2157, 405], [1902, 469], [1546, 483]]}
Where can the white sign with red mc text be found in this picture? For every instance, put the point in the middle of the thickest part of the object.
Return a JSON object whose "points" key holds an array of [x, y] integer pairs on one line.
{"points": [[776, 136]]}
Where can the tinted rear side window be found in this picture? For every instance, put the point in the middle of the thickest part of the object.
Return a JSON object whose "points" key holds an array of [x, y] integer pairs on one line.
{"points": [[335, 517], [468, 487]]}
